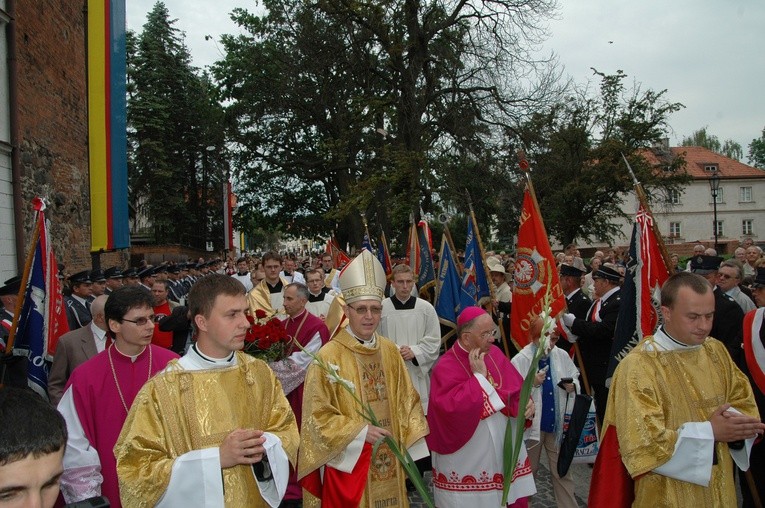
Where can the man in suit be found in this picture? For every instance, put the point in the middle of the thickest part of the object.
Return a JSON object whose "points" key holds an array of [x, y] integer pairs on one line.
{"points": [[595, 333], [77, 347], [77, 311], [576, 301], [729, 317], [8, 293]]}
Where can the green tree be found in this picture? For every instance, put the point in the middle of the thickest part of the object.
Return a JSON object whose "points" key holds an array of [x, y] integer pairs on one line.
{"points": [[575, 150], [757, 151], [378, 107], [175, 137], [702, 138]]}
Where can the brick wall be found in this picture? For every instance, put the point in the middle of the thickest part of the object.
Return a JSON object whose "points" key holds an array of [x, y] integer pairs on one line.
{"points": [[53, 122]]}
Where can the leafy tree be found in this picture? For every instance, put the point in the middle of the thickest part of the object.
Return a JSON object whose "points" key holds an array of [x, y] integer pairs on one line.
{"points": [[175, 136], [575, 150], [702, 138], [757, 151], [379, 107]]}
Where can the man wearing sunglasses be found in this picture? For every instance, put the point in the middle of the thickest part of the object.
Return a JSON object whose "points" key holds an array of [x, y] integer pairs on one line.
{"points": [[334, 435], [100, 392]]}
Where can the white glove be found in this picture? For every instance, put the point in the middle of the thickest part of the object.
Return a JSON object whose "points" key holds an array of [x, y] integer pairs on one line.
{"points": [[568, 319]]}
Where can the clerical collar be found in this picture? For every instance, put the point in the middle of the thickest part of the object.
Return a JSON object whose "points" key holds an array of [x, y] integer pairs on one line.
{"points": [[370, 343], [242, 274], [132, 358], [666, 341], [276, 288], [399, 305], [318, 298], [214, 362]]}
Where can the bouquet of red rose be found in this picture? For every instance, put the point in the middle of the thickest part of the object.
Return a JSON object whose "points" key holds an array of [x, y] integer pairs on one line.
{"points": [[267, 338]]}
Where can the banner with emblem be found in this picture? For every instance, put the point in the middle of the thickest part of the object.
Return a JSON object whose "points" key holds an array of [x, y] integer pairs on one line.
{"points": [[42, 319], [534, 270], [475, 282]]}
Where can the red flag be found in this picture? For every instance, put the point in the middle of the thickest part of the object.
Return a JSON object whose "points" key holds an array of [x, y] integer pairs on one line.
{"points": [[754, 349], [534, 270], [339, 257], [413, 249]]}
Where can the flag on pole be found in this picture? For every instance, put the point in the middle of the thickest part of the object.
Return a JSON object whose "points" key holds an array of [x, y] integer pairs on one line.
{"points": [[413, 248], [474, 280], [42, 319], [426, 277], [534, 270], [339, 258], [639, 313], [383, 256], [423, 224], [366, 243], [451, 298]]}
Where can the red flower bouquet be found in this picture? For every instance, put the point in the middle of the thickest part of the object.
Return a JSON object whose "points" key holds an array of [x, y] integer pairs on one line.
{"points": [[267, 338]]}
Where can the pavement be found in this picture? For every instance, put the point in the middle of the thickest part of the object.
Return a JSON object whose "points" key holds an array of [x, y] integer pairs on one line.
{"points": [[544, 497]]}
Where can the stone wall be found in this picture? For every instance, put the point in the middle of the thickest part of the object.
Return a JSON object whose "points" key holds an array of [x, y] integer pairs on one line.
{"points": [[53, 123]]}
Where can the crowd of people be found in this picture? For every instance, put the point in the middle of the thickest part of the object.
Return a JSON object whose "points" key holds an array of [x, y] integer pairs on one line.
{"points": [[162, 407]]}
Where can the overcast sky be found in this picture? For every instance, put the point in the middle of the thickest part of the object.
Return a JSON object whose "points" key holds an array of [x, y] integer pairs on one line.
{"points": [[708, 54]]}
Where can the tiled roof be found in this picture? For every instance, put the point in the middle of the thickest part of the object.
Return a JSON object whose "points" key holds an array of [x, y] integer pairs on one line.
{"points": [[697, 158]]}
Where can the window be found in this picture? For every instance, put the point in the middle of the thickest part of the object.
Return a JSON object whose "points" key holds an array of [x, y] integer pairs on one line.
{"points": [[719, 197], [746, 227], [710, 168], [718, 228], [673, 197], [674, 229], [745, 194]]}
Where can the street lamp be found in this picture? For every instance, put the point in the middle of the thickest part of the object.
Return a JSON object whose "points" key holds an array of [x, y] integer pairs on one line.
{"points": [[714, 186]]}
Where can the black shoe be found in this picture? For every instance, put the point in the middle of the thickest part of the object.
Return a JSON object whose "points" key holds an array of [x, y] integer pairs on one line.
{"points": [[292, 503]]}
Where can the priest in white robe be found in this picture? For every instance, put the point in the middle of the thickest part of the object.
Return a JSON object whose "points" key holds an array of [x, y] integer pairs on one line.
{"points": [[412, 323]]}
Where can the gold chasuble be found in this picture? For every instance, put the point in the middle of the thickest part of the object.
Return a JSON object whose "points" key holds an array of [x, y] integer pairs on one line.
{"points": [[331, 421], [259, 297], [652, 394], [183, 410]]}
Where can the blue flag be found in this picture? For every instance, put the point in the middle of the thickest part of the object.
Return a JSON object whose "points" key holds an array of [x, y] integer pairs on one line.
{"points": [[31, 333], [474, 280], [426, 276], [366, 244], [451, 298]]}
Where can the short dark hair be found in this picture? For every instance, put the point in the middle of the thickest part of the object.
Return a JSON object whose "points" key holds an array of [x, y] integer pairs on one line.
{"points": [[679, 280], [301, 289], [241, 260], [204, 292], [163, 282], [271, 255], [28, 426], [125, 298]]}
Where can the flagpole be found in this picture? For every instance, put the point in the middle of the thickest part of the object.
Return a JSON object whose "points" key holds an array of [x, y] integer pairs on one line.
{"points": [[492, 289], [643, 199], [366, 229]]}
